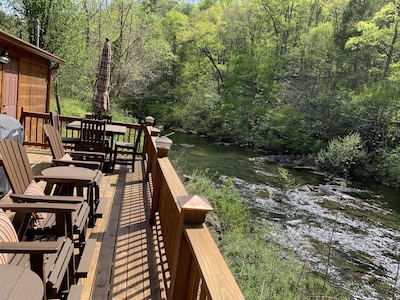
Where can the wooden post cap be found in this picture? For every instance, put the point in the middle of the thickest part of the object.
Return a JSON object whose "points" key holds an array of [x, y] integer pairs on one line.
{"points": [[195, 208], [149, 121], [163, 144], [155, 132]]}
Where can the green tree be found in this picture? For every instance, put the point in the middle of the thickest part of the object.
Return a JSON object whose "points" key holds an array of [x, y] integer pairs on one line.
{"points": [[380, 34]]}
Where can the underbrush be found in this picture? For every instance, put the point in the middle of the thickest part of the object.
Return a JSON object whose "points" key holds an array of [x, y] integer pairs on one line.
{"points": [[78, 108], [262, 268]]}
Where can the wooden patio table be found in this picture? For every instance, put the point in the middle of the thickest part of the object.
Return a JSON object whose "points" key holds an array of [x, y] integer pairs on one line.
{"points": [[19, 283], [82, 177]]}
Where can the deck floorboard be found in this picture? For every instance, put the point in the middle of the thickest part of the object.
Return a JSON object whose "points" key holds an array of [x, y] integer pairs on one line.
{"points": [[126, 260]]}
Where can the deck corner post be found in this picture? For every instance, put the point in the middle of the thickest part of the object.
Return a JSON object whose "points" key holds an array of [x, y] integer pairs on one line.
{"points": [[194, 208], [186, 280]]}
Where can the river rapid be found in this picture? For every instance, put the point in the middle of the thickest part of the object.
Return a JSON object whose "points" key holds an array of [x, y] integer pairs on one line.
{"points": [[348, 232]]}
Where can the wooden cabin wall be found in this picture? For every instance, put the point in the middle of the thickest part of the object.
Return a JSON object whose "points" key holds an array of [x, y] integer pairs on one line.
{"points": [[32, 90], [31, 87], [33, 76], [1, 85]]}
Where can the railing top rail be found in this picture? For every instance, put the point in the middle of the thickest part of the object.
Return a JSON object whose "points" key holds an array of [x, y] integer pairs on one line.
{"points": [[216, 275], [217, 281]]}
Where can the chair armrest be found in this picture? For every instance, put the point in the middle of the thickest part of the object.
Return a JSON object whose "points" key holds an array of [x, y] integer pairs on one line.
{"points": [[58, 179], [91, 164], [78, 152], [30, 247], [46, 198], [79, 155], [40, 207]]}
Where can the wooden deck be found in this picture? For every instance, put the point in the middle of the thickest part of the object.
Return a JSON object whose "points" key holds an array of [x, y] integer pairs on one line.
{"points": [[126, 262]]}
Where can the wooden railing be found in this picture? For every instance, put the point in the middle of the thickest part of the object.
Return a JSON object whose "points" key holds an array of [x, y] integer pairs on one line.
{"points": [[33, 122], [195, 268]]}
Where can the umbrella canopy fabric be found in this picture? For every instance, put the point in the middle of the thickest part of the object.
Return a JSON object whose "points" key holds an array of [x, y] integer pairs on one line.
{"points": [[101, 102]]}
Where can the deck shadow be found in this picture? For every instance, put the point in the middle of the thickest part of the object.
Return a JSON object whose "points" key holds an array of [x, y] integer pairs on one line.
{"points": [[127, 264]]}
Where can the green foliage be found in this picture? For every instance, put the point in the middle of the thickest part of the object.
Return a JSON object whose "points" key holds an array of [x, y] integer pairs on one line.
{"points": [[11, 24], [289, 179], [231, 210], [342, 154], [376, 110], [265, 271], [288, 131], [72, 107], [388, 167], [78, 108], [284, 76]]}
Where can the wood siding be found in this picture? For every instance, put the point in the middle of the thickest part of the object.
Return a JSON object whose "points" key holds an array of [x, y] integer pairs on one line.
{"points": [[1, 87], [33, 79]]}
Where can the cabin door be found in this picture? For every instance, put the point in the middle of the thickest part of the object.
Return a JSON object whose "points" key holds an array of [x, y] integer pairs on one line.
{"points": [[10, 88]]}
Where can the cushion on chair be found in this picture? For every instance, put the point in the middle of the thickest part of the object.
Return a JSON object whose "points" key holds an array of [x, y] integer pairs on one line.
{"points": [[34, 189], [7, 234], [66, 157]]}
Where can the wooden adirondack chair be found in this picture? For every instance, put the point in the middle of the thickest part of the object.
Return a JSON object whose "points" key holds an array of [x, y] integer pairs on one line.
{"points": [[52, 261], [76, 158], [25, 190], [62, 158], [55, 121]]}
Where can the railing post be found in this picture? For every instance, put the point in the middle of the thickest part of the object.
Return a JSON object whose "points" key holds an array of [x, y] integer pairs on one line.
{"points": [[155, 132], [185, 281], [194, 208], [163, 145], [149, 121]]}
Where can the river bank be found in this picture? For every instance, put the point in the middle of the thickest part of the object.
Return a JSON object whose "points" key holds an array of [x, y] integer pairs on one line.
{"points": [[347, 232]]}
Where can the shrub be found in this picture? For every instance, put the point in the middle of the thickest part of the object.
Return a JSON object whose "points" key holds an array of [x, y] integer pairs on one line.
{"points": [[342, 155], [230, 210], [388, 167]]}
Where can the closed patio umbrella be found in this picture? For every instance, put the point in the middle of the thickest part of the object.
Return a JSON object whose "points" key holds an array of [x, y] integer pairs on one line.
{"points": [[101, 102]]}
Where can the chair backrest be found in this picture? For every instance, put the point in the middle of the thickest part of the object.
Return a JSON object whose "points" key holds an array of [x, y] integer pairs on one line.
{"points": [[103, 117], [53, 136], [16, 165], [55, 120], [92, 136], [138, 137]]}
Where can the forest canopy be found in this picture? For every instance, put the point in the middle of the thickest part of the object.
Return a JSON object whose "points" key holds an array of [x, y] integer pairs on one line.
{"points": [[285, 76]]}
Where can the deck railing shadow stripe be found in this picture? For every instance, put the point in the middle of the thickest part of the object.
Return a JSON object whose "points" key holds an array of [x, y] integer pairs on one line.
{"points": [[135, 272], [104, 269]]}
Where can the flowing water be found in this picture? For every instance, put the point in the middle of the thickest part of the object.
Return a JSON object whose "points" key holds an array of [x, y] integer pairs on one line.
{"points": [[348, 231]]}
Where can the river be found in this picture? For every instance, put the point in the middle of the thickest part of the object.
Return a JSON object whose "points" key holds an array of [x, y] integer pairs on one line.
{"points": [[357, 223]]}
